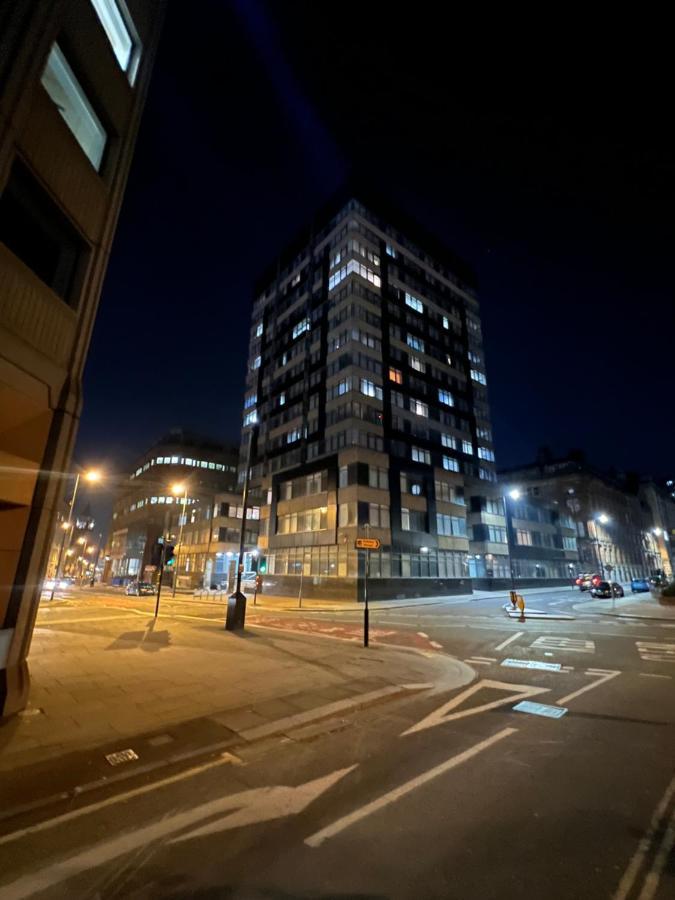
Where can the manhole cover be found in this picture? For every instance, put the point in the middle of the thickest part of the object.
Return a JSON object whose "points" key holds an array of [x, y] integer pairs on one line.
{"points": [[121, 756]]}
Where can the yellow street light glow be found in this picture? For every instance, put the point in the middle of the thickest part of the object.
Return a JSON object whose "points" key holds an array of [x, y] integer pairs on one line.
{"points": [[92, 475], [81, 540], [69, 552], [90, 549], [65, 525], [177, 489]]}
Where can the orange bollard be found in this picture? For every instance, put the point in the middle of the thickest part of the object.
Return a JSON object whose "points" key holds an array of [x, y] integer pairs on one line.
{"points": [[521, 607]]}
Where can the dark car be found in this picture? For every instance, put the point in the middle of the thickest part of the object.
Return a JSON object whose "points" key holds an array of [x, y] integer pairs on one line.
{"points": [[639, 585], [140, 588], [603, 589]]}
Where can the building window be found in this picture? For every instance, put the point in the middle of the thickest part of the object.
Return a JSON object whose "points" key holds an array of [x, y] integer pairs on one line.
{"points": [[450, 464], [259, 329], [446, 397], [356, 267], [301, 327], [446, 322], [415, 342], [448, 440], [419, 455], [307, 520], [391, 251], [524, 538], [74, 107], [419, 408], [249, 401], [343, 477], [414, 303], [125, 48], [416, 363], [450, 526], [467, 447], [282, 398], [478, 376], [396, 376], [413, 520], [370, 389], [256, 362], [569, 543], [378, 515], [486, 474], [496, 534], [486, 453], [494, 506], [378, 477], [346, 515], [249, 419], [484, 434]]}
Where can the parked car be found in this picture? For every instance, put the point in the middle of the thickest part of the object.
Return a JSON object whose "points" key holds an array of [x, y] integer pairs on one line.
{"points": [[639, 585], [52, 584], [587, 581], [602, 589], [139, 589]]}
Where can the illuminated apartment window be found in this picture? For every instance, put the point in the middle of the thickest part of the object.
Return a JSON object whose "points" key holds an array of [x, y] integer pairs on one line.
{"points": [[415, 342], [467, 447], [396, 376], [416, 363], [417, 454], [414, 303], [74, 107], [125, 45], [446, 322], [446, 397], [450, 464], [449, 441], [419, 408], [259, 329]]}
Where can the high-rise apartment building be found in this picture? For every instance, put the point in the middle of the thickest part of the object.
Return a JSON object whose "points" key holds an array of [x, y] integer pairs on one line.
{"points": [[366, 395], [73, 79]]}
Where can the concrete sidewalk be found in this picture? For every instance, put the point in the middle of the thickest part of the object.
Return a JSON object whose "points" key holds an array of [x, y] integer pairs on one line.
{"points": [[630, 607], [108, 680]]}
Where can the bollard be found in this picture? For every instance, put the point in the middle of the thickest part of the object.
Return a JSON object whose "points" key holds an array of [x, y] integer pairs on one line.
{"points": [[521, 606]]}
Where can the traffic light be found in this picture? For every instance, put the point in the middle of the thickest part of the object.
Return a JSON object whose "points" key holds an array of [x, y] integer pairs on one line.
{"points": [[262, 566], [156, 554], [169, 555]]}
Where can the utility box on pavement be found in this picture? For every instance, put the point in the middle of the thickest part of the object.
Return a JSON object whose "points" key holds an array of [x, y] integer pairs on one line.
{"points": [[236, 612]]}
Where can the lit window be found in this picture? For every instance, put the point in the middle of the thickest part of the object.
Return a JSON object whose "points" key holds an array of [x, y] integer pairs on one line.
{"points": [[259, 329], [449, 441], [251, 418], [249, 401], [478, 376], [467, 447], [282, 398], [414, 303], [256, 362], [174, 460], [396, 376], [416, 363], [370, 389], [486, 453], [391, 251], [419, 455], [524, 538], [474, 357], [160, 460], [446, 322], [295, 280], [445, 397], [125, 49], [419, 408], [415, 342], [301, 327], [450, 464], [65, 90]]}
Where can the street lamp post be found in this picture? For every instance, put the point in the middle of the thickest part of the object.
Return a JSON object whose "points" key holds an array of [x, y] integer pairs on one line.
{"points": [[236, 602], [176, 490], [514, 494], [92, 475]]}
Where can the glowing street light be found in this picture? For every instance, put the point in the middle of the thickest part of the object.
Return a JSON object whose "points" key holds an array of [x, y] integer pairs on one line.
{"points": [[515, 494], [603, 518]]}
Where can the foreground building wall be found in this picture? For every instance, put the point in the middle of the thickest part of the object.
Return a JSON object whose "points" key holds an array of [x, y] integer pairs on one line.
{"points": [[366, 388], [70, 103]]}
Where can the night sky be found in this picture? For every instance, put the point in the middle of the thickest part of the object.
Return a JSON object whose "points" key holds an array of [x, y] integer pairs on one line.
{"points": [[549, 168]]}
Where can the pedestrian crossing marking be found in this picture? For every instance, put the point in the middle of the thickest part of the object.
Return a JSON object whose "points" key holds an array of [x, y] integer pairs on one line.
{"points": [[651, 651]]}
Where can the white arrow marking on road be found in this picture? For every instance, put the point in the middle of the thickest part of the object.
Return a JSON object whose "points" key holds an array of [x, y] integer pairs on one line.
{"points": [[514, 637], [440, 716], [255, 805], [589, 687], [336, 827]]}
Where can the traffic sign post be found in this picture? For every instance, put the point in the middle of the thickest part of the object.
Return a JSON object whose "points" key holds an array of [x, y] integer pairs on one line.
{"points": [[366, 544]]}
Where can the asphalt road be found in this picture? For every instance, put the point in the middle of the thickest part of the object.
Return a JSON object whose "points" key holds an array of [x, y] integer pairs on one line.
{"points": [[448, 795]]}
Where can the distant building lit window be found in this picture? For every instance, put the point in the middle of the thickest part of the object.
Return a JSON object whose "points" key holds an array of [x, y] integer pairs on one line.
{"points": [[256, 362], [448, 440], [467, 447], [282, 398], [419, 408], [446, 322], [126, 46], [416, 363], [415, 342], [450, 464], [391, 251], [396, 376], [418, 454], [486, 453], [301, 327], [259, 329], [478, 376], [414, 303], [74, 107], [370, 389], [249, 419], [446, 397]]}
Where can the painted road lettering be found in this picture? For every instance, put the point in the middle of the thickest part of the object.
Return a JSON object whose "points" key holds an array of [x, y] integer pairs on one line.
{"points": [[531, 664], [540, 709], [561, 643]]}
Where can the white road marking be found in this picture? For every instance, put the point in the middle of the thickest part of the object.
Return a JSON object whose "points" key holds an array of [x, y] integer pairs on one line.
{"points": [[385, 800], [436, 645], [487, 658], [440, 716], [602, 678], [514, 637], [655, 652], [478, 662], [531, 664], [270, 803], [653, 878], [654, 675], [117, 798], [635, 864], [422, 634], [562, 643]]}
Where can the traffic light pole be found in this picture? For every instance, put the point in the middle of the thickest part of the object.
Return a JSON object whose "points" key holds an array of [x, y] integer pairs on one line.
{"points": [[162, 558], [236, 602]]}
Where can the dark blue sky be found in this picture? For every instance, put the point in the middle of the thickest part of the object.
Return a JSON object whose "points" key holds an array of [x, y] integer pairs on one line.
{"points": [[550, 170]]}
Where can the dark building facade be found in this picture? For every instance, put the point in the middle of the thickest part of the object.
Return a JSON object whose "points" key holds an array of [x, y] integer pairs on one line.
{"points": [[180, 467], [366, 395], [623, 525], [73, 79]]}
